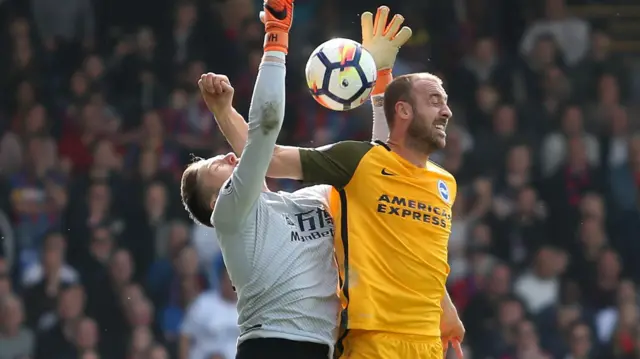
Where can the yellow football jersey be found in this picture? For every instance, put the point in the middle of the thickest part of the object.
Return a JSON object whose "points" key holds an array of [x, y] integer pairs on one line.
{"points": [[393, 222]]}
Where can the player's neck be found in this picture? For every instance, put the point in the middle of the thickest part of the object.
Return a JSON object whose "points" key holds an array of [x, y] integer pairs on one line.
{"points": [[417, 157]]}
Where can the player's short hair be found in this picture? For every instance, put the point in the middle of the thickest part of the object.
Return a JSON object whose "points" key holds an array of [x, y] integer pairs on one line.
{"points": [[400, 89], [192, 196]]}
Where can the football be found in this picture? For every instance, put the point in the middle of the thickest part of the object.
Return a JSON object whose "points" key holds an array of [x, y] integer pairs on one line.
{"points": [[340, 74]]}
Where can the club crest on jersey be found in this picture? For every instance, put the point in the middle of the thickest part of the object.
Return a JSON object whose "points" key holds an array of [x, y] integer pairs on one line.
{"points": [[288, 219], [443, 189], [227, 188]]}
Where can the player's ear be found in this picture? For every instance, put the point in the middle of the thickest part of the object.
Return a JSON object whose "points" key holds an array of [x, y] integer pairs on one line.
{"points": [[404, 110]]}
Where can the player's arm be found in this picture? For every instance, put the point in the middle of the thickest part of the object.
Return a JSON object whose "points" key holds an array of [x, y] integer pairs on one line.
{"points": [[217, 93], [448, 308], [332, 164], [234, 128], [286, 160], [383, 41], [380, 127], [451, 327], [266, 114]]}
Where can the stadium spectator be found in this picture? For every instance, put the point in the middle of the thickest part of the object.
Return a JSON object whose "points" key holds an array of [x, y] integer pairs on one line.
{"points": [[87, 337], [540, 287], [52, 263], [57, 328], [559, 24], [16, 341], [211, 315]]}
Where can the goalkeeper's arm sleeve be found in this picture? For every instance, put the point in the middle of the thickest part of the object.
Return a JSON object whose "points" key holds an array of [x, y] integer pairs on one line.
{"points": [[266, 114]]}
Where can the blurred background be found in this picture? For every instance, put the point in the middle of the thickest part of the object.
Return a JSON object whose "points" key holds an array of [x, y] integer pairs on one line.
{"points": [[99, 114]]}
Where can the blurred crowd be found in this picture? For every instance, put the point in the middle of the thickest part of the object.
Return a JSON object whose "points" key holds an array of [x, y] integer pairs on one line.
{"points": [[99, 113]]}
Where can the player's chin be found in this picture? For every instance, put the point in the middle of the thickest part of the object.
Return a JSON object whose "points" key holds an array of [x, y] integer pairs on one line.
{"points": [[439, 142]]}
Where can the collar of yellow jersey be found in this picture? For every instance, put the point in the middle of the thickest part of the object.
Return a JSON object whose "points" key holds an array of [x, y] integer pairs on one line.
{"points": [[383, 145]]}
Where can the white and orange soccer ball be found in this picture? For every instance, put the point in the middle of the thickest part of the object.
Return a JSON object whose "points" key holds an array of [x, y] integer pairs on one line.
{"points": [[340, 74]]}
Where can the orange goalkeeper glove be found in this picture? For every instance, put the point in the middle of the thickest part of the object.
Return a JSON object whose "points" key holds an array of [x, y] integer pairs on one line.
{"points": [[277, 18]]}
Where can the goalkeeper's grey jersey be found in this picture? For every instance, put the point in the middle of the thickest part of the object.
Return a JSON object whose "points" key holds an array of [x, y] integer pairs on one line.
{"points": [[281, 263], [278, 247]]}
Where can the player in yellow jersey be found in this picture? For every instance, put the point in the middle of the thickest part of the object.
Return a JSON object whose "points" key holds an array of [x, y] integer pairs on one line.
{"points": [[392, 209]]}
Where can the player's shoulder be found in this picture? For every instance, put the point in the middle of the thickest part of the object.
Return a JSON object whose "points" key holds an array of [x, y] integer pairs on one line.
{"points": [[348, 147], [225, 216], [350, 152], [381, 149], [354, 145], [439, 171]]}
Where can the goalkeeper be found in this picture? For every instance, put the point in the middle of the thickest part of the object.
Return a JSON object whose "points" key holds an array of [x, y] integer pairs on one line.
{"points": [[287, 306]]}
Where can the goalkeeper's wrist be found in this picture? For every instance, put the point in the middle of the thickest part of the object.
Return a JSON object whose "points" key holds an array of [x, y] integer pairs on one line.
{"points": [[383, 79], [276, 40]]}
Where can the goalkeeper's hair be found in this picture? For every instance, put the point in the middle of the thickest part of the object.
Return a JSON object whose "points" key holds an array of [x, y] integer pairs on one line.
{"points": [[401, 89], [193, 195]]}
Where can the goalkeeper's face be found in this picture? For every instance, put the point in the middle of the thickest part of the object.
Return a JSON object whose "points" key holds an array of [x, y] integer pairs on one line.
{"points": [[215, 171], [430, 115]]}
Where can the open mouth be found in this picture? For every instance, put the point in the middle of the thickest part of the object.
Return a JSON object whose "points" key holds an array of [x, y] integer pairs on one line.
{"points": [[441, 128]]}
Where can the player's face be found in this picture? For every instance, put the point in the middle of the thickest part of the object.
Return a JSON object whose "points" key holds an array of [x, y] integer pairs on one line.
{"points": [[430, 115], [214, 171]]}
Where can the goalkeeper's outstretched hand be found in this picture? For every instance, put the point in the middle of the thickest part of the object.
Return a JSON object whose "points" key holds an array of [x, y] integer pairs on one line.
{"points": [[381, 40], [217, 92]]}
